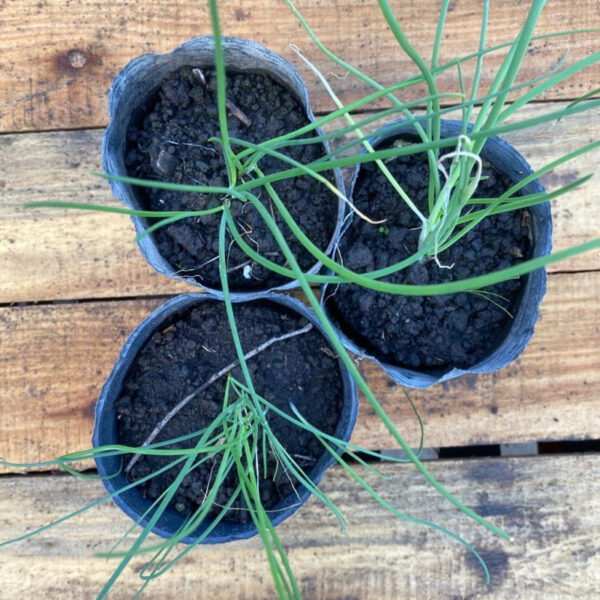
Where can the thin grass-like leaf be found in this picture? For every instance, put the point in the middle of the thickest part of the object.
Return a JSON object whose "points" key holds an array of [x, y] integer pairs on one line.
{"points": [[402, 515], [341, 351]]}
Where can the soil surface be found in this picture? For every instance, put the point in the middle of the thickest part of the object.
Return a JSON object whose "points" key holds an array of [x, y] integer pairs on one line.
{"points": [[435, 332], [191, 347], [169, 141]]}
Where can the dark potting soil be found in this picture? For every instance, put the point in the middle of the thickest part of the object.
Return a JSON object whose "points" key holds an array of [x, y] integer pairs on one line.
{"points": [[426, 332], [169, 141], [191, 347]]}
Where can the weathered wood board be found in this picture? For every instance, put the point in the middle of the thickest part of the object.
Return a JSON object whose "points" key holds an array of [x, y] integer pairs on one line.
{"points": [[549, 505], [58, 58], [55, 359], [50, 254]]}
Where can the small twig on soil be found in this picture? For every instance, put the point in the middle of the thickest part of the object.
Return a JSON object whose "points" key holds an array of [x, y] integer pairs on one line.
{"points": [[190, 144], [306, 458], [290, 480], [269, 510], [209, 382], [209, 478], [235, 111]]}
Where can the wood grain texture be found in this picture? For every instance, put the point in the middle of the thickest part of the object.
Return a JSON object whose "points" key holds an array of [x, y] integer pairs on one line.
{"points": [[56, 254], [79, 254], [549, 505], [58, 57], [55, 359]]}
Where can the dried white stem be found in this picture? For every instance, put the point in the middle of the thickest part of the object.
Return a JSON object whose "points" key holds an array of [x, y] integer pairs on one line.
{"points": [[237, 112]]}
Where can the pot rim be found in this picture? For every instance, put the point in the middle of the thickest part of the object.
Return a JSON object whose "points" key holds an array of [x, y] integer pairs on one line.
{"points": [[518, 334], [105, 425]]}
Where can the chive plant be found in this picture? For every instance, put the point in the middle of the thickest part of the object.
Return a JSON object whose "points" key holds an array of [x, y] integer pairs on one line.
{"points": [[453, 210], [450, 202]]}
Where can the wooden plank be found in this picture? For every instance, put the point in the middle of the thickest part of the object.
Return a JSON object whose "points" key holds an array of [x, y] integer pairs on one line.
{"points": [[55, 359], [50, 254], [548, 504], [549, 392], [57, 59], [88, 255]]}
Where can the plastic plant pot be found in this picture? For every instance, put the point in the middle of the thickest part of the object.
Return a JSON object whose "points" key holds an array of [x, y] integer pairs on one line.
{"points": [[139, 81], [516, 334], [132, 501]]}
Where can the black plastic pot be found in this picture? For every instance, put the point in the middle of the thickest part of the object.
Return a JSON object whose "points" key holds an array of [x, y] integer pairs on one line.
{"points": [[105, 428], [140, 79], [510, 163]]}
